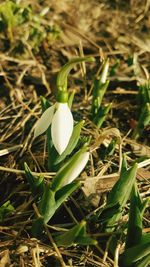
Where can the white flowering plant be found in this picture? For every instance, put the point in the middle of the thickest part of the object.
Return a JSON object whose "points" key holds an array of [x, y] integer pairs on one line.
{"points": [[62, 137], [50, 196], [57, 119]]}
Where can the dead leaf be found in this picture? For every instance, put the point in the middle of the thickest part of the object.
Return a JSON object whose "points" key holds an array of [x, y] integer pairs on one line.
{"points": [[4, 258]]}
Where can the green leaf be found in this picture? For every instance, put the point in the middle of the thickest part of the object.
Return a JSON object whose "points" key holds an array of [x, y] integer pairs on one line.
{"points": [[85, 241], [9, 16], [36, 183], [98, 94], [72, 143], [101, 115], [51, 201], [76, 235], [47, 205], [144, 93], [119, 194], [144, 120], [135, 219], [145, 262], [145, 238], [134, 254], [111, 147], [99, 88], [68, 239], [63, 193], [124, 167], [114, 67], [5, 209], [109, 211], [121, 190], [7, 13], [38, 227]]}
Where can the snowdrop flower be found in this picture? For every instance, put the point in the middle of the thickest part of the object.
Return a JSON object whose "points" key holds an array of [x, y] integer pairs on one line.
{"points": [[60, 118], [104, 74], [59, 115]]}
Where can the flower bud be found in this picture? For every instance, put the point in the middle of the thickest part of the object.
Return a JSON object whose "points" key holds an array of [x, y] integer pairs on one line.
{"points": [[61, 122], [104, 72], [74, 172], [71, 170]]}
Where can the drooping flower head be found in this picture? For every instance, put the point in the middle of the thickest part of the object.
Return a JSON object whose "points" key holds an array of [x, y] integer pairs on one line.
{"points": [[59, 115]]}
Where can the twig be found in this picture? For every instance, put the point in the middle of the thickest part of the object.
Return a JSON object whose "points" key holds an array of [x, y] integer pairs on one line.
{"points": [[45, 174], [55, 247]]}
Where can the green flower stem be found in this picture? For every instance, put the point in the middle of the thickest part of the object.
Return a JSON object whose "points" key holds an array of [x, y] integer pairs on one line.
{"points": [[62, 94]]}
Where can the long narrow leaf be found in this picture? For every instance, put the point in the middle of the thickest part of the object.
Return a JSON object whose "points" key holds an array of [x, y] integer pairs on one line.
{"points": [[134, 254], [145, 262], [68, 239], [98, 93], [63, 193], [36, 183], [135, 219], [101, 115], [122, 189], [120, 194], [47, 205], [76, 235]]}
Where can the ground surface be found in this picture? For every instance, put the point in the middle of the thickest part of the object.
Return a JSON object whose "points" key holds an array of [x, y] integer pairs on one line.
{"points": [[29, 63]]}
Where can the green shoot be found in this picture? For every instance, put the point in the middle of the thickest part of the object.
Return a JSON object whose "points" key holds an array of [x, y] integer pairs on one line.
{"points": [[100, 87], [137, 207], [101, 115], [5, 209], [118, 197]]}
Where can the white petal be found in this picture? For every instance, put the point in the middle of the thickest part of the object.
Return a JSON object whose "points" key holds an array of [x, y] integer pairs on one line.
{"points": [[105, 72], [80, 164], [62, 127], [44, 122]]}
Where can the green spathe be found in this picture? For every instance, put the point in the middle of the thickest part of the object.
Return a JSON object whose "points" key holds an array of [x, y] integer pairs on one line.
{"points": [[70, 170], [63, 74]]}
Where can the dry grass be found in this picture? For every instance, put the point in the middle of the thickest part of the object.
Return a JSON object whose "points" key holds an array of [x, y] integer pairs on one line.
{"points": [[97, 28]]}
